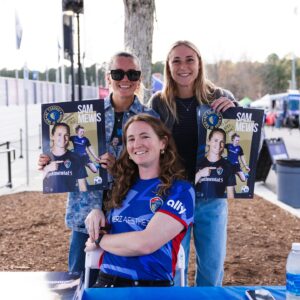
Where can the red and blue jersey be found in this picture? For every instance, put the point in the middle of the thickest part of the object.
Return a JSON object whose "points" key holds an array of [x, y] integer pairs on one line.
{"points": [[139, 207]]}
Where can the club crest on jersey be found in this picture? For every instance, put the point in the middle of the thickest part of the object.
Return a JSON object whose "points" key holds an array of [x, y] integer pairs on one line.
{"points": [[53, 114], [67, 163], [211, 119], [155, 204], [219, 171]]}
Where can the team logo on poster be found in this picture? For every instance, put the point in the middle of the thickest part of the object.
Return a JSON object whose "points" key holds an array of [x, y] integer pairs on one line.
{"points": [[67, 163], [53, 114], [155, 204], [219, 171], [211, 119]]}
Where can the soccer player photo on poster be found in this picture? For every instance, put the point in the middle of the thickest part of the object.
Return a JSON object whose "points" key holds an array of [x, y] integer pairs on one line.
{"points": [[228, 151], [73, 136]]}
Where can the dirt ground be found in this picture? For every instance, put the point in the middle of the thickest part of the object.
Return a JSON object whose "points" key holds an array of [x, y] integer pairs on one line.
{"points": [[33, 237]]}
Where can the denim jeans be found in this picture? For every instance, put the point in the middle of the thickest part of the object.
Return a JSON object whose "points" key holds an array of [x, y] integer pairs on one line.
{"points": [[77, 255], [210, 235]]}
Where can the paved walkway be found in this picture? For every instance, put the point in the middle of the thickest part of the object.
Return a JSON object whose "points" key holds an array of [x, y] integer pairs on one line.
{"points": [[13, 120]]}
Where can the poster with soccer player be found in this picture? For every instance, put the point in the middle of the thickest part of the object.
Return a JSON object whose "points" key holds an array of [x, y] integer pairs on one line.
{"points": [[227, 152], [73, 136]]}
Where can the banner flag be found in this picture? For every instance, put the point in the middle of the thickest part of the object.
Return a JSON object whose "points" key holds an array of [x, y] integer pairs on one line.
{"points": [[19, 31]]}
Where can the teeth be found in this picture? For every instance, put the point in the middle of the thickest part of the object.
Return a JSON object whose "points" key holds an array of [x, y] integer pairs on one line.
{"points": [[140, 152], [184, 74], [124, 86]]}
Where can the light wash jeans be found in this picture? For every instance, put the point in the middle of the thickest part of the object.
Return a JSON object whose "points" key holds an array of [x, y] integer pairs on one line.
{"points": [[210, 235]]}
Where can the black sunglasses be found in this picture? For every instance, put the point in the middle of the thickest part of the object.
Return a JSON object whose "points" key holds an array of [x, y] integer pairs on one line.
{"points": [[119, 74]]}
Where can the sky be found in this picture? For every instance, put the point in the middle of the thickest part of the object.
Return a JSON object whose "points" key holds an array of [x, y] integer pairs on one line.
{"points": [[222, 29]]}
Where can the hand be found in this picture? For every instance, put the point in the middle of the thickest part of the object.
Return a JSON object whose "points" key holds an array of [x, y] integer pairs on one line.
{"points": [[53, 166], [91, 246], [107, 161], [93, 221], [247, 168], [222, 104], [43, 161], [203, 173]]}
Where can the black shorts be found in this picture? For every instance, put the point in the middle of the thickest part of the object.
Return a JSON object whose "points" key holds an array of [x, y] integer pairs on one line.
{"points": [[106, 281], [236, 168], [86, 159]]}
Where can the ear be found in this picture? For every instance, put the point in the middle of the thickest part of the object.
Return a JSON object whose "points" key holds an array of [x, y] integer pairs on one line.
{"points": [[108, 79], [164, 142]]}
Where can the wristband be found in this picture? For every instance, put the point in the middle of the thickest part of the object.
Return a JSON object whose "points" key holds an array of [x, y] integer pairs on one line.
{"points": [[98, 240]]}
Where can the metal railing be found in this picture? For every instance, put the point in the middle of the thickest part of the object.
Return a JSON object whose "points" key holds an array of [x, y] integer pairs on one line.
{"points": [[10, 152]]}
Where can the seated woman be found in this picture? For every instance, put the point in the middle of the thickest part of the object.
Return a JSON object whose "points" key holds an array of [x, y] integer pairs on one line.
{"points": [[150, 208]]}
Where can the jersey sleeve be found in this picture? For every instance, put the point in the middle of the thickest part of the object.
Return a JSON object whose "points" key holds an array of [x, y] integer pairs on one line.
{"points": [[180, 203], [88, 143], [241, 151]]}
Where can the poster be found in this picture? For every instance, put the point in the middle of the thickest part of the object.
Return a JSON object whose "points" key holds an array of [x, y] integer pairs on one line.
{"points": [[73, 136], [227, 152]]}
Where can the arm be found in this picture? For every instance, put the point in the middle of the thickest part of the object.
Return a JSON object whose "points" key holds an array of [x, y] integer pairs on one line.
{"points": [[82, 185], [144, 242], [244, 162], [230, 192], [203, 173], [91, 150]]}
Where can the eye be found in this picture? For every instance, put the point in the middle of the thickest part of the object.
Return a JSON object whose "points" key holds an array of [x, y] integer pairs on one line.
{"points": [[175, 61], [190, 60]]}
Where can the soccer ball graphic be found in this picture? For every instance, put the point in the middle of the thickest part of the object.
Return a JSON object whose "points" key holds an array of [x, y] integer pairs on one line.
{"points": [[245, 189], [97, 180]]}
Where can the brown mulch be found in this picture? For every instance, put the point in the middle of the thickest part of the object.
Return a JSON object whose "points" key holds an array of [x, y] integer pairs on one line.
{"points": [[33, 237]]}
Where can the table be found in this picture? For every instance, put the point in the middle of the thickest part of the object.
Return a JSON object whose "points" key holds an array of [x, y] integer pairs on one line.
{"points": [[182, 293]]}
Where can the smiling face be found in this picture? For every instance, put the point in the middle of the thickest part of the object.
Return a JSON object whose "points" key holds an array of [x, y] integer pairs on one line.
{"points": [[144, 147], [60, 138], [123, 88], [80, 132], [183, 64], [236, 141], [216, 143]]}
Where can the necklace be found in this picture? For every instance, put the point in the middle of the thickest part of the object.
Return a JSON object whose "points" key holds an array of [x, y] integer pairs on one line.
{"points": [[187, 107]]}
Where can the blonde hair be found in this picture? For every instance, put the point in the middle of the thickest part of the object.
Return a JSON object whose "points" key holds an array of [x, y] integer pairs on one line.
{"points": [[203, 89], [139, 92]]}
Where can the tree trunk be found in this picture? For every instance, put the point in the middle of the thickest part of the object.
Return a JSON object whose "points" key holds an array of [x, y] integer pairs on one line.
{"points": [[138, 36]]}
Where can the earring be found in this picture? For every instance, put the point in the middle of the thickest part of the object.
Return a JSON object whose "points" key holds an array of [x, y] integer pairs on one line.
{"points": [[162, 151], [129, 157]]}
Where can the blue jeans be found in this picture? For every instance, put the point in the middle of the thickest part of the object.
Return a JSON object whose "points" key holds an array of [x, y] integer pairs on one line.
{"points": [[210, 235], [77, 255]]}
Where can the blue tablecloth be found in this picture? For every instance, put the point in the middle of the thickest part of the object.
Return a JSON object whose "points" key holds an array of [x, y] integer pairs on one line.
{"points": [[173, 293]]}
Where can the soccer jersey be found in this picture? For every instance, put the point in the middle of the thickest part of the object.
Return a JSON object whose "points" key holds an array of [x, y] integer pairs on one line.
{"points": [[139, 206], [64, 179], [214, 185], [80, 144], [233, 153]]}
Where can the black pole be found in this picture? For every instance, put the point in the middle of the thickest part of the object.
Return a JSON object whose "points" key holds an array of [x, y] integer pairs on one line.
{"points": [[72, 61], [9, 183], [79, 64], [21, 143]]}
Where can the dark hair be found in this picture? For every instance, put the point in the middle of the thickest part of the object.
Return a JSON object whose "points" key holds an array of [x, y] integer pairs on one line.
{"points": [[78, 127], [234, 136], [60, 125], [214, 130], [126, 172]]}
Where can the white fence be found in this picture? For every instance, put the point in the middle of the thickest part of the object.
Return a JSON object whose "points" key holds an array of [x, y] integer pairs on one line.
{"points": [[12, 91]]}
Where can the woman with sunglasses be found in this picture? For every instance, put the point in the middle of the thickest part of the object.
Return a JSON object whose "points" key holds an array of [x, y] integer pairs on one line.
{"points": [[150, 209], [186, 88], [124, 79]]}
